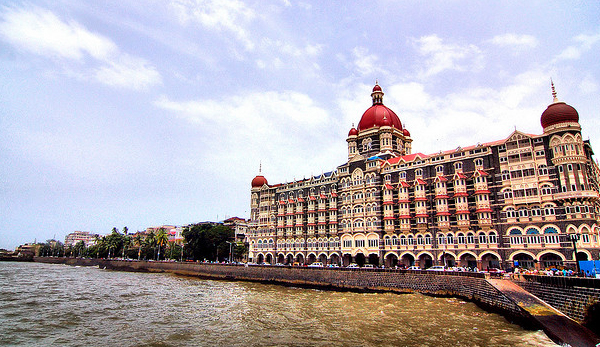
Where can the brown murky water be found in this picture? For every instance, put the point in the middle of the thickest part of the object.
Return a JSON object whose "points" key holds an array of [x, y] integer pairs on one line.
{"points": [[45, 305]]}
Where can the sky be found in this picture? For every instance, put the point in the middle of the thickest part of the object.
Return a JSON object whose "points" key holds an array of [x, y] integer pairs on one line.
{"points": [[144, 113]]}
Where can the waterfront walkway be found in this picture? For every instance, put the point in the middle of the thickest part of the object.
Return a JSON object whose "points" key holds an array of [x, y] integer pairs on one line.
{"points": [[556, 325]]}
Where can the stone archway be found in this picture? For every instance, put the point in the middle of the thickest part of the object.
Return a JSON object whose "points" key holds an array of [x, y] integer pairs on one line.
{"points": [[281, 258], [391, 260], [346, 259], [523, 260], [374, 259], [311, 258], [551, 260], [260, 259], [289, 260], [269, 258], [581, 256], [323, 258], [300, 259], [425, 261], [448, 260], [408, 260], [490, 260], [334, 259], [360, 259], [468, 260]]}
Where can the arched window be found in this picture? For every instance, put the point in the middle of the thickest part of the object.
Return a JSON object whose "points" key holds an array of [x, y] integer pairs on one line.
{"points": [[461, 238], [533, 236], [450, 239], [482, 238], [492, 237], [470, 238], [516, 237], [550, 235]]}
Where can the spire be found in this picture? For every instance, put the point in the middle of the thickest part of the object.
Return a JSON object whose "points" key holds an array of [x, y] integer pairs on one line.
{"points": [[259, 167], [555, 99], [377, 94]]}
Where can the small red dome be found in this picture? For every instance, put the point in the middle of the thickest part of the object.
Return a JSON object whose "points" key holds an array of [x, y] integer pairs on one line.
{"points": [[405, 132], [377, 88], [559, 112], [353, 132], [376, 116], [259, 181]]}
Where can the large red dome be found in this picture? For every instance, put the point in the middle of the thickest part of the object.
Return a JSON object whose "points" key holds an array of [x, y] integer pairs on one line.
{"points": [[378, 115], [259, 181], [559, 112]]}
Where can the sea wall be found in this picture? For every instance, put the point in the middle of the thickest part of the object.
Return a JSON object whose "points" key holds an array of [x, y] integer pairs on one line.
{"points": [[570, 295]]}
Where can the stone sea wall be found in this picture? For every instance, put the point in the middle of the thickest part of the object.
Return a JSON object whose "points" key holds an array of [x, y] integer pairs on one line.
{"points": [[570, 295]]}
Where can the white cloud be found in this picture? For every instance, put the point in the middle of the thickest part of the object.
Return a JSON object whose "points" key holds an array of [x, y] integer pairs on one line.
{"points": [[515, 41], [583, 43], [128, 72], [440, 56], [365, 63], [259, 126], [41, 32], [218, 15]]}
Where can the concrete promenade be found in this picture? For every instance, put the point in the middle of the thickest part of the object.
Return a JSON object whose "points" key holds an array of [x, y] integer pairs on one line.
{"points": [[499, 295]]}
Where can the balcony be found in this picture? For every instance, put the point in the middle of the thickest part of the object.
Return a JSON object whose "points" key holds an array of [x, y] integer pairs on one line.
{"points": [[582, 194]]}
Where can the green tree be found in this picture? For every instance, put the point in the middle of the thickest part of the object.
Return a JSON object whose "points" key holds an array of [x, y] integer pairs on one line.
{"points": [[161, 239], [207, 241]]}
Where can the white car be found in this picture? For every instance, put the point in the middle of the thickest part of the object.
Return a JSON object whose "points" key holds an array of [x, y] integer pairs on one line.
{"points": [[369, 266], [414, 267], [316, 264], [352, 266], [437, 268]]}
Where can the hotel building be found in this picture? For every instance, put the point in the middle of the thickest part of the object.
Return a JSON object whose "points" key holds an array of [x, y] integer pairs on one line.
{"points": [[526, 200]]}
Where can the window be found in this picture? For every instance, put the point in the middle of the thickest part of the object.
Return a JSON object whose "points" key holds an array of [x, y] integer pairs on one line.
{"points": [[402, 175], [439, 169], [461, 238], [516, 237], [373, 243], [550, 235], [419, 172], [458, 166], [470, 238], [360, 243], [492, 238], [478, 162], [450, 239], [482, 238]]}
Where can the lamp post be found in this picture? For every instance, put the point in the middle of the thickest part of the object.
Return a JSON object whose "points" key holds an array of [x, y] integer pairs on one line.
{"points": [[181, 260], [574, 237], [230, 250]]}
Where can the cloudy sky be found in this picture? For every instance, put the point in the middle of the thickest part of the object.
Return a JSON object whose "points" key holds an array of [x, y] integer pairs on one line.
{"points": [[142, 113]]}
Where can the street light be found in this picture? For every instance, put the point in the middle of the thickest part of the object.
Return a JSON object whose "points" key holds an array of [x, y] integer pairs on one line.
{"points": [[181, 260], [230, 250], [574, 237]]}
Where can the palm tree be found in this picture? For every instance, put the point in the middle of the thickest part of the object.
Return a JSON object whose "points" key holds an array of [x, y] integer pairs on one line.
{"points": [[161, 239], [127, 242], [138, 240], [150, 240]]}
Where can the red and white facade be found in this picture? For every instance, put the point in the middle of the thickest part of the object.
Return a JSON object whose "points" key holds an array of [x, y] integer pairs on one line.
{"points": [[497, 204]]}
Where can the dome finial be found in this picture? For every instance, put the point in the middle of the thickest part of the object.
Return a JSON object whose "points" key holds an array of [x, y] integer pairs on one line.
{"points": [[259, 167], [555, 99]]}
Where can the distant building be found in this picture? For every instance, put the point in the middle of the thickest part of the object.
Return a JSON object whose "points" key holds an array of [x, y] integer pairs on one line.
{"points": [[519, 201], [239, 226], [75, 237], [28, 250]]}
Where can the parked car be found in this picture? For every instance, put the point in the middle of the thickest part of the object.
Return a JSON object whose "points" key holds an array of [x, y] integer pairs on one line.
{"points": [[369, 266], [333, 265], [414, 267], [316, 264], [437, 268], [494, 270], [353, 266]]}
